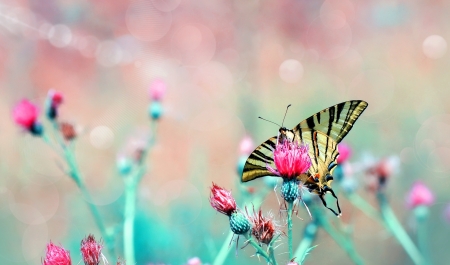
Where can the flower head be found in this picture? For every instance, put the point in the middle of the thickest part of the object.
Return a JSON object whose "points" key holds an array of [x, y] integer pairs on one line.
{"points": [[54, 100], [56, 255], [344, 153], [157, 89], [291, 159], [222, 201], [91, 250], [264, 228], [420, 195], [25, 114]]}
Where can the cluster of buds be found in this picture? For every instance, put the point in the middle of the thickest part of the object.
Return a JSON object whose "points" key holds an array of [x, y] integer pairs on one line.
{"points": [[157, 90], [52, 103], [91, 251]]}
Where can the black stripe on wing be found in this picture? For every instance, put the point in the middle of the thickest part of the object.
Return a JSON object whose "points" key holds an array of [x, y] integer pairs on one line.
{"points": [[259, 159], [335, 121]]}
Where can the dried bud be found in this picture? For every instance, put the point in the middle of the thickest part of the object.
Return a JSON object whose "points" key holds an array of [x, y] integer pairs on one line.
{"points": [[91, 250], [263, 227], [222, 201], [56, 255], [68, 131]]}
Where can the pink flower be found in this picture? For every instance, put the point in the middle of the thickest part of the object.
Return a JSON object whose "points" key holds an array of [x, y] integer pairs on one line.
{"points": [[420, 195], [246, 145], [345, 152], [222, 201], [56, 255], [91, 250], [25, 114], [157, 89], [291, 159], [194, 261], [56, 98]]}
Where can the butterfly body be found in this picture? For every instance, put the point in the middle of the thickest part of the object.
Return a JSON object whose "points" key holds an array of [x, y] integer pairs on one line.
{"points": [[321, 132]]}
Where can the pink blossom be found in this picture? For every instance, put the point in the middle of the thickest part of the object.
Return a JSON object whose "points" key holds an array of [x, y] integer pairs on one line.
{"points": [[345, 152], [91, 250], [222, 201], [246, 145], [420, 195], [56, 98], [157, 89], [25, 114], [56, 255], [194, 261], [291, 159]]}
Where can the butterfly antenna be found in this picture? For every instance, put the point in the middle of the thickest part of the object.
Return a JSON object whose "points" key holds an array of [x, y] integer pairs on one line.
{"points": [[269, 121], [285, 114]]}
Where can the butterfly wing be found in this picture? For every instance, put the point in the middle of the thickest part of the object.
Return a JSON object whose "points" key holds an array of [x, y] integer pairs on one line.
{"points": [[324, 130], [259, 159]]}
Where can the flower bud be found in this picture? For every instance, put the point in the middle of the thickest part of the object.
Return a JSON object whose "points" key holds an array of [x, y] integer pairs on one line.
{"points": [[155, 110], [157, 89], [221, 200], [420, 195], [239, 223], [56, 255], [25, 114], [91, 250], [290, 190]]}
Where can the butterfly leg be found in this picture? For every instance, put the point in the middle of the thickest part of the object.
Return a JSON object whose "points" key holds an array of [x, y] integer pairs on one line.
{"points": [[325, 204], [337, 200]]}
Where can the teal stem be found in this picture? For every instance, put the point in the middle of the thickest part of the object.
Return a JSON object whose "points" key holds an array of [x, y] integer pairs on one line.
{"points": [[307, 241], [131, 184], [258, 248], [271, 251], [344, 242], [397, 230], [128, 224], [364, 206], [289, 223]]}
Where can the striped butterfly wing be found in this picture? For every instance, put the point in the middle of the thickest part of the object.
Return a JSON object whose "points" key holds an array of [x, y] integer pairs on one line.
{"points": [[323, 153], [259, 159], [335, 121]]}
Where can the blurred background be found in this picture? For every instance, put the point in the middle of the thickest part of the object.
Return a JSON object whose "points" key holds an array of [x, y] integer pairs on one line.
{"points": [[225, 63]]}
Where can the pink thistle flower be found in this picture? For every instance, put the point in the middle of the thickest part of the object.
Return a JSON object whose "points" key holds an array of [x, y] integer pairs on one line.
{"points": [[420, 195], [345, 152], [25, 114], [246, 145], [194, 261], [56, 255], [222, 201], [56, 98], [157, 89], [91, 250], [291, 159]]}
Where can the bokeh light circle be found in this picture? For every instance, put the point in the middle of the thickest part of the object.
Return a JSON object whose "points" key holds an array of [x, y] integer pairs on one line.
{"points": [[434, 47], [193, 44], [376, 86], [214, 79], [147, 23], [291, 71], [432, 144], [182, 199], [34, 240], [59, 35], [101, 137], [109, 53]]}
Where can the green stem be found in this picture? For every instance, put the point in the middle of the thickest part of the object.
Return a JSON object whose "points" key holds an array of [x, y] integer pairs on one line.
{"points": [[270, 249], [397, 230], [341, 240], [364, 206], [289, 223], [258, 249], [128, 225], [307, 241]]}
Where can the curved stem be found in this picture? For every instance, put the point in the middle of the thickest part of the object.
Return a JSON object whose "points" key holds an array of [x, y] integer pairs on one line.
{"points": [[258, 248], [289, 223], [128, 225], [224, 250], [307, 241], [397, 230], [364, 206]]}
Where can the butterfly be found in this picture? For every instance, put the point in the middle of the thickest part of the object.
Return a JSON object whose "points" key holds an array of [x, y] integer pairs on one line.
{"points": [[321, 132]]}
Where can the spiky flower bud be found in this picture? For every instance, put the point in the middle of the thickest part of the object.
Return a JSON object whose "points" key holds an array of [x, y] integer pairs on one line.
{"points": [[239, 223], [290, 190], [222, 201], [264, 228], [91, 250], [56, 255]]}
